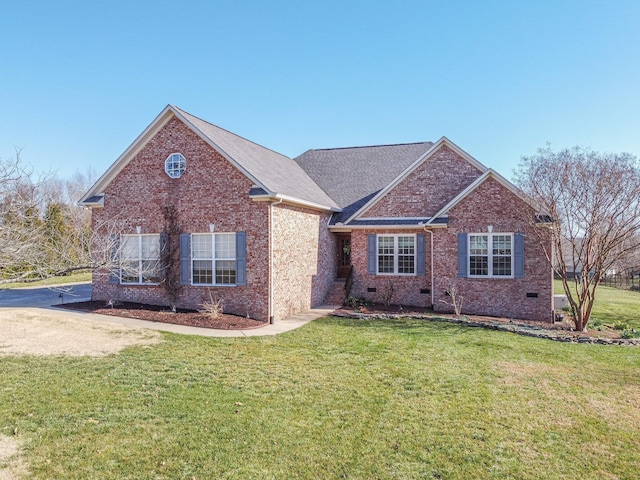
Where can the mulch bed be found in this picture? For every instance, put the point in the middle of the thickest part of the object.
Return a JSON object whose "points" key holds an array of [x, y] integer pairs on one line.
{"points": [[154, 313], [562, 330]]}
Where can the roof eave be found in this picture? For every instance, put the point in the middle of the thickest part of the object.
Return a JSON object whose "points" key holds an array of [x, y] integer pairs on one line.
{"points": [[278, 197], [345, 227], [216, 147], [94, 204]]}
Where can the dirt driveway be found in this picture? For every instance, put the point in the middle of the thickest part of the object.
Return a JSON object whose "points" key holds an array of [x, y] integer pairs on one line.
{"points": [[38, 331], [28, 326]]}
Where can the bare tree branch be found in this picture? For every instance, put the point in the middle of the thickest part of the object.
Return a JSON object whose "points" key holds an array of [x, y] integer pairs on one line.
{"points": [[593, 201]]}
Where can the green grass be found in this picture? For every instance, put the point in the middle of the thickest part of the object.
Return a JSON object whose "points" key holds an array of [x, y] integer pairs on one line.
{"points": [[393, 399], [72, 278], [613, 305]]}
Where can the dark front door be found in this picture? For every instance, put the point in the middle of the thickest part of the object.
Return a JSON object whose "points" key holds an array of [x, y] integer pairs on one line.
{"points": [[344, 254]]}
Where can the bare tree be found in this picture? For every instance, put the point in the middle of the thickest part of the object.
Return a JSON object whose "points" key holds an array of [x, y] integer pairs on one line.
{"points": [[593, 201], [43, 232]]}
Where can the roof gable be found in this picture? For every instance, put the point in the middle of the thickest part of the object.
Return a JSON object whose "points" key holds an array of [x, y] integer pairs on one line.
{"points": [[277, 175], [434, 148], [471, 188]]}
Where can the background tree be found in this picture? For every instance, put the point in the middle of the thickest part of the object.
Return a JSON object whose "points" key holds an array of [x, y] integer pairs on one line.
{"points": [[593, 201], [43, 232]]}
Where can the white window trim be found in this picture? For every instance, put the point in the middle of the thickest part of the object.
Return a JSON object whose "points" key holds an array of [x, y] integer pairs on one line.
{"points": [[213, 260], [490, 254], [139, 259], [175, 173], [396, 254]]}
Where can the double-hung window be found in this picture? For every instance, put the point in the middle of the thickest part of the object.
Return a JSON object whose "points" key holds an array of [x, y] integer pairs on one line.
{"points": [[396, 254], [490, 255], [213, 257], [140, 258]]}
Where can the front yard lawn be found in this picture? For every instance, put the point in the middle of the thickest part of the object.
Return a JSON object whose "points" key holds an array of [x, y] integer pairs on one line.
{"points": [[338, 398]]}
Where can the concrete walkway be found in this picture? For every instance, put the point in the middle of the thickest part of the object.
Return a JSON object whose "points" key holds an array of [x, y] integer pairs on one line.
{"points": [[31, 299], [281, 326]]}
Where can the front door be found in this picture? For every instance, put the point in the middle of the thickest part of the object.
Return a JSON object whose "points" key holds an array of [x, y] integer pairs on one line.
{"points": [[344, 254]]}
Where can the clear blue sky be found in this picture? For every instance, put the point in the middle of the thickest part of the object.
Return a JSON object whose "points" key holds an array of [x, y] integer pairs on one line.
{"points": [[80, 80]]}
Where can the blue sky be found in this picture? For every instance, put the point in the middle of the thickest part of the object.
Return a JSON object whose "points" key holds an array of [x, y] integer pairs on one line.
{"points": [[80, 80]]}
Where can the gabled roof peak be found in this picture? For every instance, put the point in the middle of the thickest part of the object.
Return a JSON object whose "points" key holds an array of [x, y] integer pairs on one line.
{"points": [[276, 174]]}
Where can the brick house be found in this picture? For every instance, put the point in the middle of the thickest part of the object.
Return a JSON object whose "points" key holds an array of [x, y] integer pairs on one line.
{"points": [[201, 211]]}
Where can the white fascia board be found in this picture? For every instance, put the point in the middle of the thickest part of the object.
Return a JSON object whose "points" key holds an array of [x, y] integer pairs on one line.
{"points": [[434, 148], [274, 197], [513, 189], [122, 161]]}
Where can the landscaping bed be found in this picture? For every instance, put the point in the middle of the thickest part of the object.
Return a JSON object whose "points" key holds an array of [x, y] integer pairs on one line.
{"points": [[160, 314], [560, 331]]}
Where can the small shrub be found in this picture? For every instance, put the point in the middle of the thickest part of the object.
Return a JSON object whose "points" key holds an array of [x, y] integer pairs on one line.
{"points": [[596, 322], [388, 294], [352, 302], [630, 333], [456, 300], [214, 308], [357, 302]]}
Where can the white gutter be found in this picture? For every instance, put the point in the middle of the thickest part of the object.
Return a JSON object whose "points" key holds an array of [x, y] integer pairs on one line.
{"points": [[430, 232], [271, 313]]}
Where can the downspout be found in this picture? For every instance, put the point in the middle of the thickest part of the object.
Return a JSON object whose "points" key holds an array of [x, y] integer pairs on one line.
{"points": [[430, 232], [271, 315]]}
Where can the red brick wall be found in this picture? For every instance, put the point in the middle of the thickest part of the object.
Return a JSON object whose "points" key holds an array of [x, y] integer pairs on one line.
{"points": [[406, 288], [428, 188], [493, 204], [490, 204], [303, 265], [210, 191]]}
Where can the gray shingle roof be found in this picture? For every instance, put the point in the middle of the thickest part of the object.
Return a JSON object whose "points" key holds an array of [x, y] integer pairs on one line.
{"points": [[276, 172], [352, 176]]}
